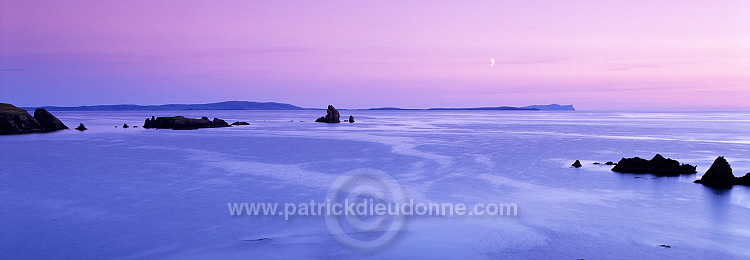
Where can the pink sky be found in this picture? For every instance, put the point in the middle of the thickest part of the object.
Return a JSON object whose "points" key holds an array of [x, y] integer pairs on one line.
{"points": [[596, 55]]}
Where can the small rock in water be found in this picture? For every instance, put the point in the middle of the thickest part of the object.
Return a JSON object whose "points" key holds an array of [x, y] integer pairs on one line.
{"points": [[240, 123], [665, 246], [577, 164], [125, 126], [351, 119], [610, 163], [81, 127], [597, 163]]}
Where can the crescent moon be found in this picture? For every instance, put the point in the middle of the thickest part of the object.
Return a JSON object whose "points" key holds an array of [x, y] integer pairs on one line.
{"points": [[492, 62]]}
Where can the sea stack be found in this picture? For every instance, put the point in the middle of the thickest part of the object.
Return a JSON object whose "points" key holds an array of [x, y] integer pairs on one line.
{"points": [[48, 121], [657, 165], [81, 127], [125, 126], [719, 174], [183, 123], [332, 116], [14, 120], [577, 164], [351, 119]]}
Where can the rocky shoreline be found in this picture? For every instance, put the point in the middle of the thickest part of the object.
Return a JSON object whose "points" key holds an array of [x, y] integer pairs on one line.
{"points": [[14, 120]]}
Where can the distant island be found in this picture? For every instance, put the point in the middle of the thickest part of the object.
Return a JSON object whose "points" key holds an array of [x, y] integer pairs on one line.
{"points": [[248, 105]]}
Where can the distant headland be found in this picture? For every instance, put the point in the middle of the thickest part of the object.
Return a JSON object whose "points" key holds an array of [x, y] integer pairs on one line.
{"points": [[248, 105]]}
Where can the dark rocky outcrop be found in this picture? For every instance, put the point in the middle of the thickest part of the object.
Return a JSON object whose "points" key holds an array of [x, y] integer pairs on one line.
{"points": [[332, 116], [183, 123], [14, 120], [81, 127], [48, 121], [657, 165], [609, 163], [240, 123], [125, 126], [351, 119], [720, 175], [577, 164], [744, 180]]}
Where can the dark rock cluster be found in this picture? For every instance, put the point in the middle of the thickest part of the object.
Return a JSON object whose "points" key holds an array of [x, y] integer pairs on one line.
{"points": [[14, 120], [332, 116], [720, 175], [183, 123], [240, 123], [657, 165]]}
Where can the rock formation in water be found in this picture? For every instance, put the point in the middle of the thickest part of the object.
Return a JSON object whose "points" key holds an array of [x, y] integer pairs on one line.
{"points": [[351, 119], [720, 175], [240, 123], [657, 165], [332, 116], [14, 120], [744, 180], [577, 164], [183, 123], [81, 127], [125, 126], [47, 120]]}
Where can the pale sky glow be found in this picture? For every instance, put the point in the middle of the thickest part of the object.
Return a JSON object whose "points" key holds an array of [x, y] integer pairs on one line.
{"points": [[597, 55]]}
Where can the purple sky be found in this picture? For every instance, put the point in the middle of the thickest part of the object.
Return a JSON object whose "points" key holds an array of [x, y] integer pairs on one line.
{"points": [[597, 55]]}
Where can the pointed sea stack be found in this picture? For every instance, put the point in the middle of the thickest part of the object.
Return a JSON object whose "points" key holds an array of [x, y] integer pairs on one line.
{"points": [[577, 164], [48, 121], [351, 119], [81, 127], [719, 174], [332, 116]]}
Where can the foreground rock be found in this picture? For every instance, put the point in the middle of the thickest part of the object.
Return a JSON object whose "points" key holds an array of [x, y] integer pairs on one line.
{"points": [[577, 164], [183, 123], [720, 175], [81, 127], [14, 120], [657, 165], [332, 116]]}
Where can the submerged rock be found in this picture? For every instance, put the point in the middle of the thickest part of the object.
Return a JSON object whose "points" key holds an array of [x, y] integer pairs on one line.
{"points": [[183, 123], [577, 164], [657, 165], [81, 127], [332, 116], [240, 123], [14, 120]]}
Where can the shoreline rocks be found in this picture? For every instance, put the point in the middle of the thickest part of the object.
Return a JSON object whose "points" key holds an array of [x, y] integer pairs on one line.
{"points": [[332, 116], [657, 165], [15, 120], [183, 123], [720, 175]]}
